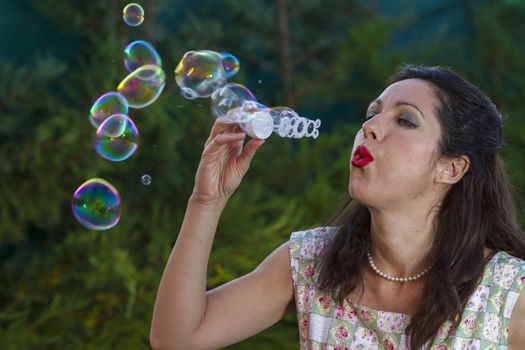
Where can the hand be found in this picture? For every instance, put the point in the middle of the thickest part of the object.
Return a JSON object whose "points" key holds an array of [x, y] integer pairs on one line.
{"points": [[224, 162]]}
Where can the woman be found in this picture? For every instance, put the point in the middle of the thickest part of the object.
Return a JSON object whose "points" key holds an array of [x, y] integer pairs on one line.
{"points": [[426, 253]]}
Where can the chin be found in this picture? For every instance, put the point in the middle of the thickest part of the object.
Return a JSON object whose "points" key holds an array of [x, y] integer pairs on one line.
{"points": [[359, 193]]}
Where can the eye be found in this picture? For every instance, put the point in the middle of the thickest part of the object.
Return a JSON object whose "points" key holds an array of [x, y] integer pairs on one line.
{"points": [[370, 114], [406, 123]]}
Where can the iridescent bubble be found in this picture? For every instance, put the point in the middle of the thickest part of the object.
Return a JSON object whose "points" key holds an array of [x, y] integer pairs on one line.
{"points": [[140, 53], [96, 204], [146, 180], [143, 86], [200, 73], [230, 64], [234, 102], [106, 105], [133, 14], [117, 138]]}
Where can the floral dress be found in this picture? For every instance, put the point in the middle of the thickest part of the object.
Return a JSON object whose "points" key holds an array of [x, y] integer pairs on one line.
{"points": [[323, 324]]}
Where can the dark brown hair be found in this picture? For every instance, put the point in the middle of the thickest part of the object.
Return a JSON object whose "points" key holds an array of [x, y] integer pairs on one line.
{"points": [[476, 212]]}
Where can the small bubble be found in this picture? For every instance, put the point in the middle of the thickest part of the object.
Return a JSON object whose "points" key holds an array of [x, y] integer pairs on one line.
{"points": [[146, 180], [133, 14], [259, 81]]}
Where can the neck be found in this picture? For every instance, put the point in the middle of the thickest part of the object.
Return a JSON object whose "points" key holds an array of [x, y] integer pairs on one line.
{"points": [[400, 244]]}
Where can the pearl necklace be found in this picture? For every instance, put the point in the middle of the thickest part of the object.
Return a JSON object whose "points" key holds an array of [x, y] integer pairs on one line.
{"points": [[392, 278]]}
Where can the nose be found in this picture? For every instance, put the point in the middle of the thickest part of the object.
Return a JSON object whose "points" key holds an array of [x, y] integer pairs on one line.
{"points": [[372, 129]]}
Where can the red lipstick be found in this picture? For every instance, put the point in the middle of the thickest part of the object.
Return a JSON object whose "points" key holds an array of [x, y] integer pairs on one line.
{"points": [[361, 157]]}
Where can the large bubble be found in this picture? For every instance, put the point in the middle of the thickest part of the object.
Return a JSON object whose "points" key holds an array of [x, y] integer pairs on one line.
{"points": [[140, 53], [200, 73], [143, 86], [234, 102], [96, 204], [105, 106], [117, 138], [133, 14]]}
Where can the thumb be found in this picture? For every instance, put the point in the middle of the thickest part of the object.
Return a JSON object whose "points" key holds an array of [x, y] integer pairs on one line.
{"points": [[249, 151]]}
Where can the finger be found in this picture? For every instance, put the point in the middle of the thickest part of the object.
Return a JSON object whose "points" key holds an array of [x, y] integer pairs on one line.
{"points": [[224, 139], [237, 128], [249, 151], [220, 127]]}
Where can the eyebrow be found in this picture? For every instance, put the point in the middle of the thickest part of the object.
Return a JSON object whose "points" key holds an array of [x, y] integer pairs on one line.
{"points": [[398, 103]]}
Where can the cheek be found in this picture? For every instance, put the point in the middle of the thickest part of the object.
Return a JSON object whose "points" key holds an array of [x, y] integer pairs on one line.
{"points": [[409, 166]]}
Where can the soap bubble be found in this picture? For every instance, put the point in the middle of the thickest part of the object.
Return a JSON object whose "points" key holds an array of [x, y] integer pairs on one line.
{"points": [[133, 14], [200, 73], [117, 138], [143, 86], [232, 101], [140, 53], [230, 64], [105, 106], [146, 179], [96, 204]]}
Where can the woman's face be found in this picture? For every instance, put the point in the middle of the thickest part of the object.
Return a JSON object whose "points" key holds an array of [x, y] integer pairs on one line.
{"points": [[401, 135]]}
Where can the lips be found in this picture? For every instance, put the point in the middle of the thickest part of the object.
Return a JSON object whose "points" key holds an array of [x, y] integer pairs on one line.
{"points": [[362, 157]]}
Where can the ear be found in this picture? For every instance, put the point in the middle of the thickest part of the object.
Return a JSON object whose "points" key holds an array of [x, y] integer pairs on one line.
{"points": [[451, 170]]}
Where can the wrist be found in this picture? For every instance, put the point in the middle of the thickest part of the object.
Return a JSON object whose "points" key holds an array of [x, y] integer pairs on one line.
{"points": [[207, 205]]}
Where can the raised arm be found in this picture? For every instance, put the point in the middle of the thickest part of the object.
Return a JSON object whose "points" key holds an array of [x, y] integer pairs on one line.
{"points": [[185, 315]]}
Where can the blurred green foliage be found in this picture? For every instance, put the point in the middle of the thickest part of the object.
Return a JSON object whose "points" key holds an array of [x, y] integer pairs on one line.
{"points": [[63, 286]]}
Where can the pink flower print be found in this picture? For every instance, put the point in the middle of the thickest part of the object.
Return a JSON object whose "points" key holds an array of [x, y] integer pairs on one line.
{"points": [[470, 325], [496, 300], [324, 302], [339, 312], [311, 248], [390, 322], [304, 299], [504, 275], [521, 281], [365, 315], [442, 347], [303, 327], [341, 334], [478, 301], [304, 323], [388, 344], [492, 327], [352, 316], [309, 271]]}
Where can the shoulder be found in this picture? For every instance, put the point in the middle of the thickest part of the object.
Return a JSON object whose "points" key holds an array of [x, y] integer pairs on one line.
{"points": [[308, 244]]}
